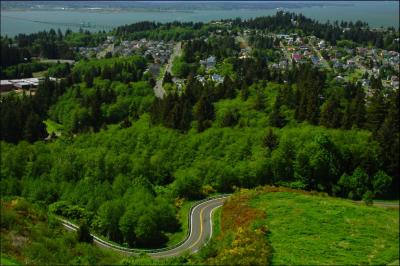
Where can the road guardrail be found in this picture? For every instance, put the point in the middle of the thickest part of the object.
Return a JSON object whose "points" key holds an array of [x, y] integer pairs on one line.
{"points": [[139, 250]]}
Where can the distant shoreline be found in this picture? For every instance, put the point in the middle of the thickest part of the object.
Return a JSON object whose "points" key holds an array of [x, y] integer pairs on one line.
{"points": [[33, 16]]}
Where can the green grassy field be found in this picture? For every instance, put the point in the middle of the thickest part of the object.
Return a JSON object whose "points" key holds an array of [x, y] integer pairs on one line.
{"points": [[306, 229], [5, 260], [39, 74], [53, 127]]}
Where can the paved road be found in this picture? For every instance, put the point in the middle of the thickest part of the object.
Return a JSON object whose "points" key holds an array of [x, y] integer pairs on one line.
{"points": [[158, 88], [200, 232]]}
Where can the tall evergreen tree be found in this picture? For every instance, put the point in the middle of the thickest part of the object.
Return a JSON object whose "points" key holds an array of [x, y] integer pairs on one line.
{"points": [[376, 109], [244, 92], [389, 137], [167, 78], [270, 139], [309, 92], [203, 112], [358, 105], [276, 118], [34, 128], [331, 115], [83, 233], [89, 79]]}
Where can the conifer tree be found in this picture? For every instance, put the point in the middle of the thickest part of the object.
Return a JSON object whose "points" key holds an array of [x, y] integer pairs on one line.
{"points": [[331, 115], [34, 128], [388, 136], [203, 112], [89, 79], [83, 233], [244, 92], [167, 78], [270, 139], [276, 118], [376, 110], [359, 108]]}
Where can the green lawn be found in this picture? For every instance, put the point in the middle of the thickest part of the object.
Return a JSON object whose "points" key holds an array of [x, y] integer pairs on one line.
{"points": [[307, 229], [53, 127], [39, 74], [355, 75], [5, 260]]}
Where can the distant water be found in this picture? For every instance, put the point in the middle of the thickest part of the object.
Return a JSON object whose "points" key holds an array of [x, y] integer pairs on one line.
{"points": [[32, 16]]}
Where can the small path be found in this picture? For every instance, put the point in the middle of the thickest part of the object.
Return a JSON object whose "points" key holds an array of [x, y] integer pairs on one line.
{"points": [[383, 204], [158, 88]]}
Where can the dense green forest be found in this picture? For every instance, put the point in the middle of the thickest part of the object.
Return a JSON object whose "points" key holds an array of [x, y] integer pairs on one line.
{"points": [[122, 157]]}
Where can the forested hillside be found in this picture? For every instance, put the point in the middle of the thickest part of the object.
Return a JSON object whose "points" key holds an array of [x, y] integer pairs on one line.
{"points": [[96, 145]]}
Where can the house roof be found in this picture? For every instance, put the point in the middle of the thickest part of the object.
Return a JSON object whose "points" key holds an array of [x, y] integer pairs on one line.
{"points": [[296, 56], [5, 82]]}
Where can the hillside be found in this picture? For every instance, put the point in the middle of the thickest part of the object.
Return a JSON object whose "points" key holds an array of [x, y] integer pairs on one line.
{"points": [[30, 237], [97, 146], [308, 228], [262, 226], [281, 226]]}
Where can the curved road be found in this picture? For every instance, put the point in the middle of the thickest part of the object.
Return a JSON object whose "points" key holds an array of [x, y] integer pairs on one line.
{"points": [[200, 232]]}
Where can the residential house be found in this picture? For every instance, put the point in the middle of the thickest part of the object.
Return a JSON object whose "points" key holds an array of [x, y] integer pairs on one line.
{"points": [[6, 85], [351, 63], [365, 82], [339, 79], [337, 64], [217, 78], [296, 57], [283, 64], [209, 63], [201, 79], [315, 59], [395, 81], [322, 44]]}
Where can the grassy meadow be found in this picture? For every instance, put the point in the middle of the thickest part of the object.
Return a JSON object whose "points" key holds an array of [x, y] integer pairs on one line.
{"points": [[308, 229]]}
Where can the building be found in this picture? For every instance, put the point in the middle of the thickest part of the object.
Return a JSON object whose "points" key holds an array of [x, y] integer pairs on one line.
{"points": [[314, 59], [6, 85], [351, 63], [337, 64], [217, 78], [209, 63], [110, 38], [282, 36], [394, 81], [339, 79], [365, 82], [14, 84], [322, 44], [201, 79], [283, 64], [297, 57]]}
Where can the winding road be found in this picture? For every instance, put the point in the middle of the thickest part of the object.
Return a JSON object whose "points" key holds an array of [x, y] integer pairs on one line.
{"points": [[200, 232]]}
